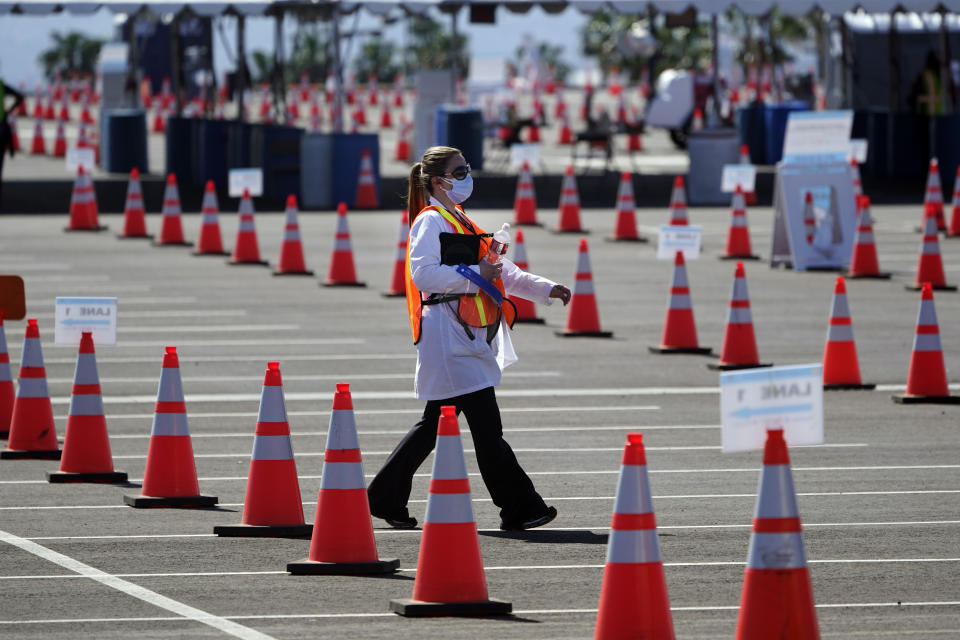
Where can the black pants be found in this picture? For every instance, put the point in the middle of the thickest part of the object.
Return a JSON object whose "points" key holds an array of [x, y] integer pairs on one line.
{"points": [[506, 481]]}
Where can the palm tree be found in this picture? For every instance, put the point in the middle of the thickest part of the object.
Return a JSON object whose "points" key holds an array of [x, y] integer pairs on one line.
{"points": [[70, 52], [432, 47], [312, 43], [376, 57]]}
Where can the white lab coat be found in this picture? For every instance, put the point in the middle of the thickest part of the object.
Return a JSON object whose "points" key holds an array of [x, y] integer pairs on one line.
{"points": [[449, 363]]}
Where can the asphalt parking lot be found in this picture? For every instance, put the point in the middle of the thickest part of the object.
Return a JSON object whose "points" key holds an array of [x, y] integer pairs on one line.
{"points": [[879, 501]]}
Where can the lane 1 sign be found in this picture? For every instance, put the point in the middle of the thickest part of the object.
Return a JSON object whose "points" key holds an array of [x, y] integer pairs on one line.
{"points": [[75, 315], [685, 239], [754, 400]]}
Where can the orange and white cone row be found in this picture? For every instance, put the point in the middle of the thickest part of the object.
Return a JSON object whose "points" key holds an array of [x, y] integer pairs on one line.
{"points": [[930, 263], [633, 599], [367, 196], [7, 391], [398, 284], [84, 214], [526, 309], [86, 446], [170, 477], [841, 367], [777, 599], [678, 204], [625, 227], [739, 342], [525, 201], [569, 221], [271, 505], [679, 328], [292, 262], [343, 541], [171, 229], [32, 431], [134, 215], [210, 242], [863, 261], [738, 235], [927, 377], [245, 248], [342, 273], [450, 579], [583, 318]]}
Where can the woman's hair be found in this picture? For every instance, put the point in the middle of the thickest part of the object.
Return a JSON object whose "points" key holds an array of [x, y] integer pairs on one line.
{"points": [[433, 163]]}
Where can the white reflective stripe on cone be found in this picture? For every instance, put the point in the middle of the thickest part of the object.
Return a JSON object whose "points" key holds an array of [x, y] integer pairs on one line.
{"points": [[583, 262], [272, 448], [32, 388], [776, 498], [680, 277], [5, 375], [840, 307], [170, 211], [448, 461], [343, 430], [739, 203], [680, 301], [449, 508], [739, 315], [86, 404], [32, 355], [246, 208], [342, 475], [209, 219], [583, 287], [777, 551], [926, 342], [739, 219], [209, 203], [170, 389], [866, 219], [291, 235], [630, 497], [246, 225], [865, 237], [291, 216], [272, 408], [86, 372], [840, 333], [3, 339], [928, 314], [342, 227], [740, 289], [170, 424], [633, 546], [341, 244]]}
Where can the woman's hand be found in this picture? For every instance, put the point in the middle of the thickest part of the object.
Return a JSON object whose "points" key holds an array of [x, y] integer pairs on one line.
{"points": [[560, 291], [490, 271]]}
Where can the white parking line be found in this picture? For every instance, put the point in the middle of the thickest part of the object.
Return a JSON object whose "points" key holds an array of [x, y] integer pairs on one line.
{"points": [[329, 357], [151, 597], [152, 380], [206, 328], [228, 342], [387, 412]]}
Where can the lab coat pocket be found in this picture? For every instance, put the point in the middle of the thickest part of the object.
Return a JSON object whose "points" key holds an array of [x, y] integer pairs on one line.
{"points": [[461, 345]]}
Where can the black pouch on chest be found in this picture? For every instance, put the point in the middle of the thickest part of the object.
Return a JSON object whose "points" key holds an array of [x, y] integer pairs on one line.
{"points": [[459, 248]]}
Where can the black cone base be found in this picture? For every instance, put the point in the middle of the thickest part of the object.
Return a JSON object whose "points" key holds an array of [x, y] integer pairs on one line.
{"points": [[926, 399], [294, 273], [936, 287], [734, 367], [569, 231], [263, 531], [93, 229], [187, 502], [883, 275], [749, 257], [237, 263], [638, 239], [418, 609], [527, 224], [529, 321], [106, 477], [312, 568], [23, 454], [849, 387], [584, 334], [328, 283], [157, 243], [394, 294], [704, 351], [146, 236], [218, 254]]}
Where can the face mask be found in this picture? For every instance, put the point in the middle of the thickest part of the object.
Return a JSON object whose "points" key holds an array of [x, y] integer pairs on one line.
{"points": [[460, 190]]}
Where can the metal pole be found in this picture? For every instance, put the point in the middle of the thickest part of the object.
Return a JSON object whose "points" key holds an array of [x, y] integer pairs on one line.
{"points": [[177, 65], [337, 75], [277, 74], [241, 65], [715, 36], [847, 65], [210, 89], [894, 69], [453, 45]]}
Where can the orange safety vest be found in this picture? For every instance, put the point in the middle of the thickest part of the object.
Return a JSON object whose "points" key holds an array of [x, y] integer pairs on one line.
{"points": [[475, 309]]}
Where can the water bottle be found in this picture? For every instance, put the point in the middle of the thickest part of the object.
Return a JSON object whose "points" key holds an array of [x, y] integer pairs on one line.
{"points": [[499, 244]]}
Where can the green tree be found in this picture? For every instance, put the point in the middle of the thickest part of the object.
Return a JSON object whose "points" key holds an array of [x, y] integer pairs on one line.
{"points": [[756, 36], [550, 54], [311, 51], [433, 47], [262, 66], [379, 57], [70, 52]]}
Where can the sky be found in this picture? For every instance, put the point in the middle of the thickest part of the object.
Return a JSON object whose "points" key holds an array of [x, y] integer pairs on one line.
{"points": [[24, 37]]}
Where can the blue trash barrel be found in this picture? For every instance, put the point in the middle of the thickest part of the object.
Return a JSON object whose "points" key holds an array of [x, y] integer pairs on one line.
{"points": [[180, 147], [348, 150], [750, 125], [462, 128], [123, 136], [210, 145], [276, 150]]}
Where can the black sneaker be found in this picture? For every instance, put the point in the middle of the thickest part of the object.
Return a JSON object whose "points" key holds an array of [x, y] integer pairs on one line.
{"points": [[399, 521], [532, 523]]}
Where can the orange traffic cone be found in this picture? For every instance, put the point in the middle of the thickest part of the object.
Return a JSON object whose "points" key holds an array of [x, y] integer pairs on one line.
{"points": [[953, 230], [245, 249], [583, 318], [678, 203], [633, 598], [7, 392], [38, 147], [271, 506], [32, 432], [569, 205], [450, 579], [777, 599], [366, 197], [134, 217], [525, 201], [625, 229], [50, 113], [402, 153], [316, 120], [86, 445], [533, 133], [385, 121], [738, 236], [841, 367], [855, 173], [159, 120], [739, 343], [14, 135], [809, 218], [84, 215], [697, 124], [933, 197], [526, 310], [170, 478], [210, 242], [171, 231], [927, 377], [398, 283], [291, 250], [750, 197], [59, 142], [342, 272], [863, 262], [343, 541], [634, 140], [679, 328], [929, 264], [566, 135]]}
